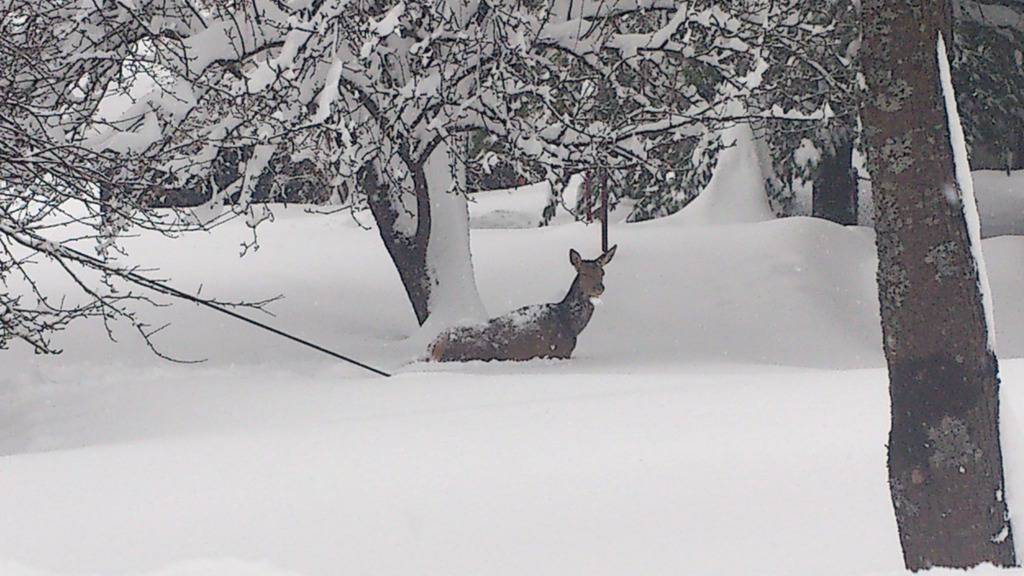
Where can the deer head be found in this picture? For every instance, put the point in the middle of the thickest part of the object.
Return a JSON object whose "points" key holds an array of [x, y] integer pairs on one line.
{"points": [[590, 273]]}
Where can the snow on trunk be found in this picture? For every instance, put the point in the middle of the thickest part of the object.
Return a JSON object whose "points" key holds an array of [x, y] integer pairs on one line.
{"points": [[1011, 436], [1009, 427], [865, 198], [454, 298], [736, 191], [966, 185]]}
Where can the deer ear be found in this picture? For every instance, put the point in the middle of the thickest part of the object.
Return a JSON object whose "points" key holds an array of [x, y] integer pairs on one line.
{"points": [[574, 258], [607, 256]]}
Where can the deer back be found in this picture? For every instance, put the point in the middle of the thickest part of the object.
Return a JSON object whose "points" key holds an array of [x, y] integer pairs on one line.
{"points": [[537, 331]]}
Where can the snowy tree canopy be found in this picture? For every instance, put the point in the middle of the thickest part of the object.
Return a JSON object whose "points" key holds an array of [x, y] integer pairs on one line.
{"points": [[346, 83], [108, 104]]}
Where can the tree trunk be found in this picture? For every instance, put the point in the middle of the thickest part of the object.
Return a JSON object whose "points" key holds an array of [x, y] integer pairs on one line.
{"points": [[945, 463], [835, 184], [427, 236], [453, 296], [407, 251]]}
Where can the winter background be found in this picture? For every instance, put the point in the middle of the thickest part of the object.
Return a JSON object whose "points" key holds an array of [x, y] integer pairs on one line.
{"points": [[725, 412]]}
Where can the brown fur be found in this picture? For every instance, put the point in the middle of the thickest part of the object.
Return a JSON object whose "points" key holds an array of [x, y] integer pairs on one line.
{"points": [[536, 331]]}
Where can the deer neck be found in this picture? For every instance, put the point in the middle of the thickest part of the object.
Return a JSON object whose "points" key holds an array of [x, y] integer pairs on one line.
{"points": [[576, 308]]}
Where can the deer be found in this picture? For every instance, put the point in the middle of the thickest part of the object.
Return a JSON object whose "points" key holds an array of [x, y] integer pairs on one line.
{"points": [[535, 331]]}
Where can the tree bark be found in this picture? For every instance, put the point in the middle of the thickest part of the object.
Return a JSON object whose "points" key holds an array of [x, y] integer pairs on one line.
{"points": [[408, 252], [431, 249], [945, 463], [834, 195]]}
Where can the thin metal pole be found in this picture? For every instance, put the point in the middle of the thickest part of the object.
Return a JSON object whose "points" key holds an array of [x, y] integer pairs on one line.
{"points": [[604, 211]]}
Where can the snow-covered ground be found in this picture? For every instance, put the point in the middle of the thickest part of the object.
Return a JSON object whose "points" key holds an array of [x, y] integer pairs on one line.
{"points": [[725, 413], [1000, 202]]}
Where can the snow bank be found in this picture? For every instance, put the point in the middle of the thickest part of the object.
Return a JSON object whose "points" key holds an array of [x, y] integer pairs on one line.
{"points": [[1000, 198], [676, 436], [509, 209], [797, 291], [540, 472], [736, 191], [523, 207], [536, 470], [1000, 202]]}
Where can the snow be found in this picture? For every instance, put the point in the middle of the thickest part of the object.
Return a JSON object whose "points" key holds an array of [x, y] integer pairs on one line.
{"points": [[329, 93], [865, 206], [454, 298], [1010, 427], [523, 207], [992, 14], [965, 184], [807, 153], [725, 413], [135, 140], [390, 22], [480, 472], [189, 568], [1011, 430], [1000, 202], [738, 185]]}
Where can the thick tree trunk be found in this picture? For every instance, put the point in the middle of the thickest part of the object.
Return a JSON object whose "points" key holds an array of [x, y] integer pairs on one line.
{"points": [[835, 185], [945, 464], [453, 295], [427, 237], [408, 251]]}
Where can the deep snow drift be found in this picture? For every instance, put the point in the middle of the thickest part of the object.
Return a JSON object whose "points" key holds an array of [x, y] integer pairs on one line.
{"points": [[725, 414]]}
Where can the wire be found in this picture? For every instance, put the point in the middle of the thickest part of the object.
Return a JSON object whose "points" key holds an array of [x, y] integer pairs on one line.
{"points": [[165, 289]]}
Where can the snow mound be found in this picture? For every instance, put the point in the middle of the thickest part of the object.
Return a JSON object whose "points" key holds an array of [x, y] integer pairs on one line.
{"points": [[795, 291], [1000, 202], [523, 207], [270, 460], [736, 191], [537, 471], [514, 208]]}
